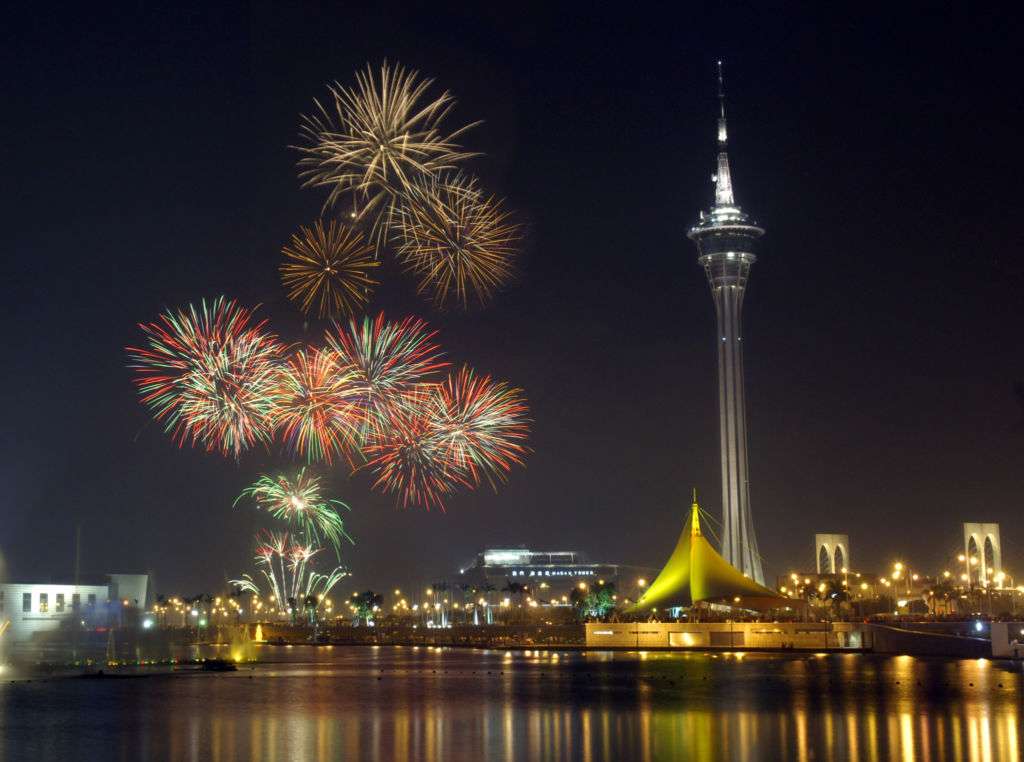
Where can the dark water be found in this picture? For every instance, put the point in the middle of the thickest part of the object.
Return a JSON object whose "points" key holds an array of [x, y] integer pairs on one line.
{"points": [[366, 703]]}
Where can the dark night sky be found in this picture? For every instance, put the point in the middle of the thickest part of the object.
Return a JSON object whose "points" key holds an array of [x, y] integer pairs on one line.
{"points": [[146, 164]]}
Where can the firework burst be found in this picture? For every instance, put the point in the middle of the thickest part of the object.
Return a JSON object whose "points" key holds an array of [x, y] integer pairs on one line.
{"points": [[409, 459], [209, 375], [371, 140], [299, 502], [327, 269], [460, 244], [390, 362], [319, 406], [456, 434], [482, 424]]}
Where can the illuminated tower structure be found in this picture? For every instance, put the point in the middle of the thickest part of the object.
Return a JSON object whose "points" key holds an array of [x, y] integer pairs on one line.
{"points": [[726, 240]]}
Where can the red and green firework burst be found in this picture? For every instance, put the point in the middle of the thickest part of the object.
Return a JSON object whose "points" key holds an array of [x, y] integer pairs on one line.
{"points": [[460, 432], [409, 459], [210, 375], [389, 361], [318, 406], [482, 424]]}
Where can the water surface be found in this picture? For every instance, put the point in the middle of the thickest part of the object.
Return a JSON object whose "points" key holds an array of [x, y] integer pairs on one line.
{"points": [[394, 703]]}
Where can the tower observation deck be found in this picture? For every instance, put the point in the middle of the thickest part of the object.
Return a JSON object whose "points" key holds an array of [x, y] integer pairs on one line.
{"points": [[726, 240]]}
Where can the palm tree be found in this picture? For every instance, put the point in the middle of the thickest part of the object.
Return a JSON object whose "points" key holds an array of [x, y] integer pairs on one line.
{"points": [[310, 604], [515, 590], [366, 604], [593, 602]]}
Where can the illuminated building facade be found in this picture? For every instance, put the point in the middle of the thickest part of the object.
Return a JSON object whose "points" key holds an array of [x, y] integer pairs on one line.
{"points": [[35, 607], [558, 570], [726, 240]]}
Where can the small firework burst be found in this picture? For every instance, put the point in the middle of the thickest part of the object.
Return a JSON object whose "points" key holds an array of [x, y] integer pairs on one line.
{"points": [[327, 270], [390, 361], [459, 243], [319, 406], [209, 375], [482, 424], [371, 140], [298, 501]]}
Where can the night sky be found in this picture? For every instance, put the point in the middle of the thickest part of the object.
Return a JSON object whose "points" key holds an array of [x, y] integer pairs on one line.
{"points": [[146, 164]]}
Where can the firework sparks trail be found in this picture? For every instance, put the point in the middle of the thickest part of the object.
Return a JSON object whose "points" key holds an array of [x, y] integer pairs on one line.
{"points": [[391, 362], [318, 406], [328, 269], [371, 140], [209, 375], [458, 243], [299, 502]]}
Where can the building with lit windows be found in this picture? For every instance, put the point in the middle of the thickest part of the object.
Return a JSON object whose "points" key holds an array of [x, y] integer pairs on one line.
{"points": [[558, 571], [28, 608]]}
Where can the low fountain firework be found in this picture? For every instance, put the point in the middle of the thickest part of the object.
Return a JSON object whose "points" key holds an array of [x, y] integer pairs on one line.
{"points": [[286, 566]]}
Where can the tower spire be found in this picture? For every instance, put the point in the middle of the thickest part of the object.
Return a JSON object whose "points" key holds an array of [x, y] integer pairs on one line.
{"points": [[723, 137], [723, 177]]}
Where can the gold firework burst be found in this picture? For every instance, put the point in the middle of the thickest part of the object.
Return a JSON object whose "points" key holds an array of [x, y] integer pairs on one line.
{"points": [[328, 268], [456, 240], [371, 140]]}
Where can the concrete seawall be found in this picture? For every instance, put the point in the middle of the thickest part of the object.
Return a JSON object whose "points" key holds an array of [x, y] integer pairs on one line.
{"points": [[895, 640]]}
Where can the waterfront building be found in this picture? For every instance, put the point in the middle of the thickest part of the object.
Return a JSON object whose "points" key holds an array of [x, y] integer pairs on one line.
{"points": [[727, 240], [559, 571], [28, 608]]}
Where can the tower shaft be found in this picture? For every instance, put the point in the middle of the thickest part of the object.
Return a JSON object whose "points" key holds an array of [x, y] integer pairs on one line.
{"points": [[739, 545]]}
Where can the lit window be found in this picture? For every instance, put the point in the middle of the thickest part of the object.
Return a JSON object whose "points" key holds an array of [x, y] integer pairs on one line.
{"points": [[92, 599], [76, 601], [44, 603], [26, 601], [60, 603]]}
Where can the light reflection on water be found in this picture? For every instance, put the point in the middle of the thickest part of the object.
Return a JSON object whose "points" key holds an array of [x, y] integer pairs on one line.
{"points": [[433, 704]]}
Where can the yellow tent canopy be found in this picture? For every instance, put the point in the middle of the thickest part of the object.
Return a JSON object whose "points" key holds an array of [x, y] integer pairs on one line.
{"points": [[696, 572]]}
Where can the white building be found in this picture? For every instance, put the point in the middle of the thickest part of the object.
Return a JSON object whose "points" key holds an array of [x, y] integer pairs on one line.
{"points": [[28, 608]]}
